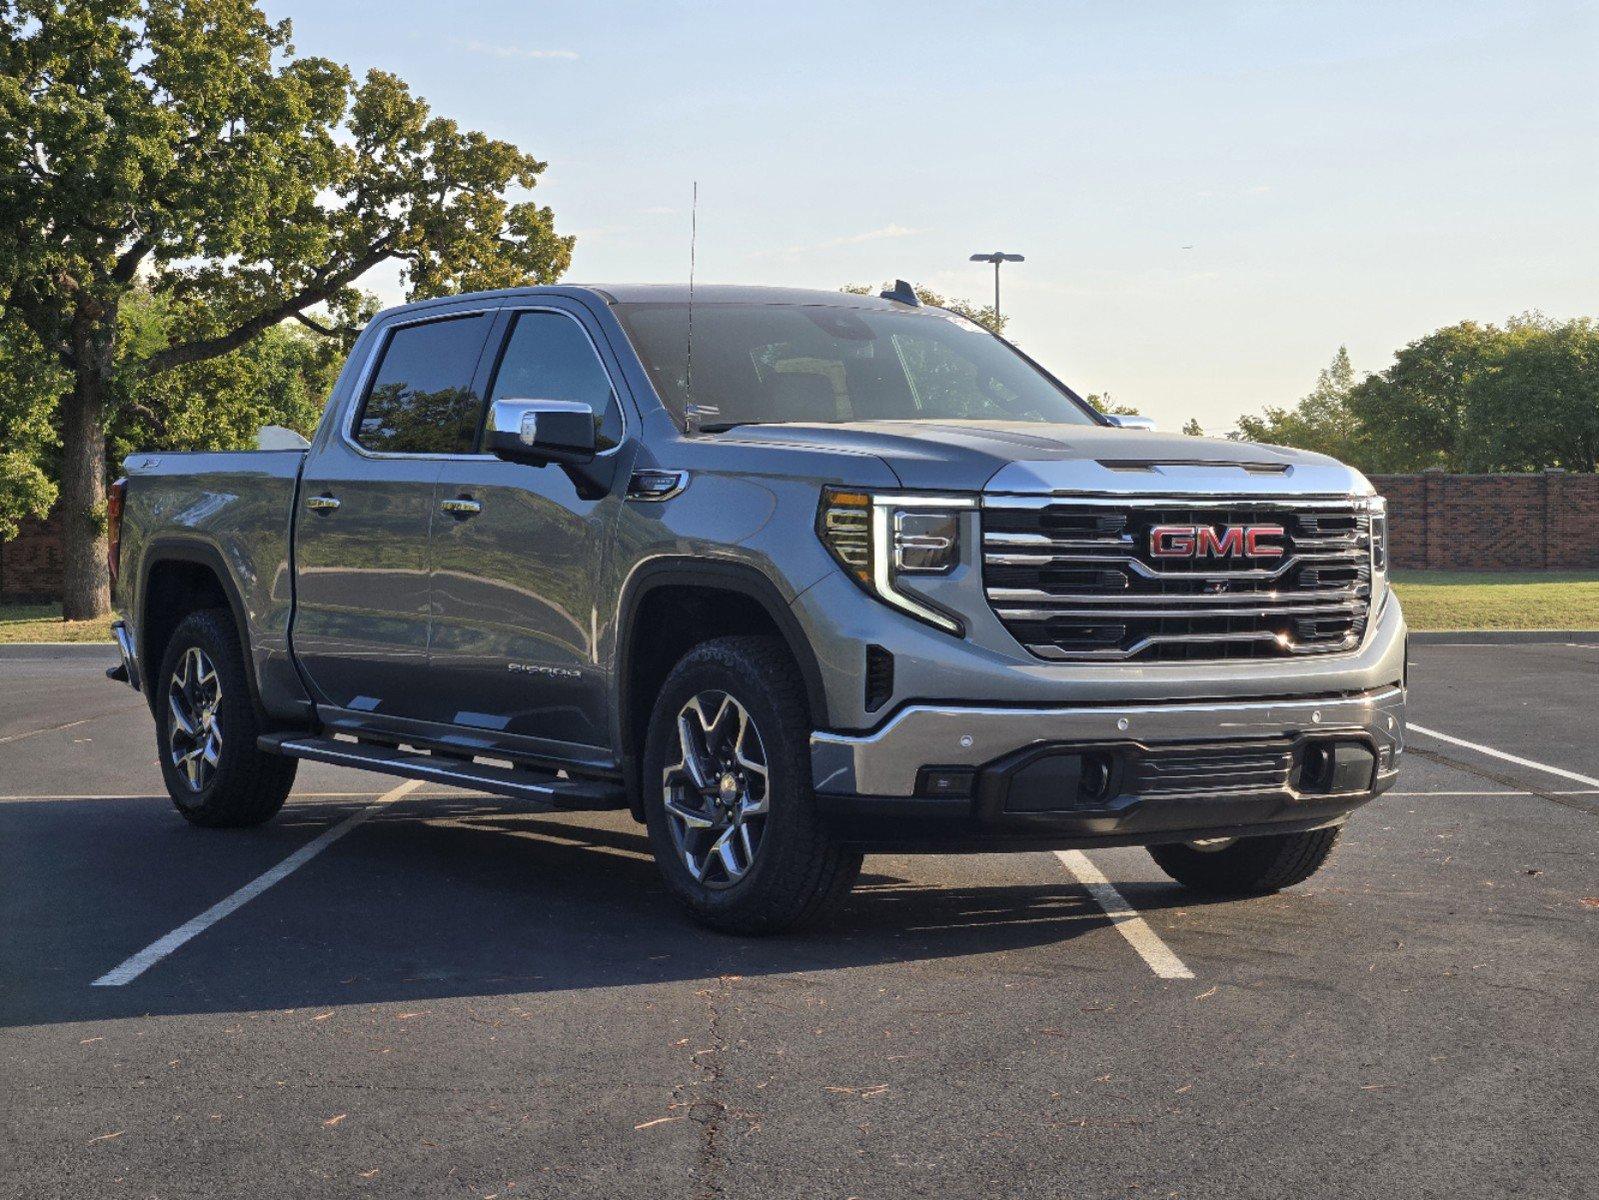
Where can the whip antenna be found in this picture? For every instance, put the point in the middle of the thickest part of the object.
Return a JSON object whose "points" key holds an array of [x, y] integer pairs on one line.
{"points": [[692, 412]]}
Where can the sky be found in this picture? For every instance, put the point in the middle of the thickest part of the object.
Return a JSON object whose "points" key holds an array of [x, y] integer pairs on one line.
{"points": [[1211, 197]]}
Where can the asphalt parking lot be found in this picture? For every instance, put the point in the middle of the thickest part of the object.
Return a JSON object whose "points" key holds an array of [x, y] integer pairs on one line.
{"points": [[458, 998]]}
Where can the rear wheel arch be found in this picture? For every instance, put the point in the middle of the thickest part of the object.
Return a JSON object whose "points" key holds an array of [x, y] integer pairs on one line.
{"points": [[179, 577], [673, 605]]}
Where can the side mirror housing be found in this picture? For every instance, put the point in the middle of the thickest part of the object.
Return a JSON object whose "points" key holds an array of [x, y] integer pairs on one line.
{"points": [[541, 431], [1127, 421]]}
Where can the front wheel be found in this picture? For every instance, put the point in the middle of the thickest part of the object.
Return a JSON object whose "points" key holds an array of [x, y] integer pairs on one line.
{"points": [[207, 725], [726, 778], [1250, 866]]}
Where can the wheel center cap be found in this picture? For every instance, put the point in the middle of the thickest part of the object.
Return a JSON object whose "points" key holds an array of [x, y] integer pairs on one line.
{"points": [[727, 787]]}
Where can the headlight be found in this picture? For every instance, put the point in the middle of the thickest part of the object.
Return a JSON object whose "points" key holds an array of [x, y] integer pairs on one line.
{"points": [[1378, 507], [882, 538]]}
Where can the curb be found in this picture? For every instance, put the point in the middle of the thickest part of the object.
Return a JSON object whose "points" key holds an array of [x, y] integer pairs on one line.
{"points": [[1503, 637], [45, 651]]}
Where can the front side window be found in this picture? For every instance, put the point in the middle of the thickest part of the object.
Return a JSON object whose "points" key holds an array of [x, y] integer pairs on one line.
{"points": [[549, 357], [421, 400], [772, 363]]}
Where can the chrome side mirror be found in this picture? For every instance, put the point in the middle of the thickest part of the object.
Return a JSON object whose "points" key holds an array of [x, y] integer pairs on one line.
{"points": [[541, 431], [1128, 421]]}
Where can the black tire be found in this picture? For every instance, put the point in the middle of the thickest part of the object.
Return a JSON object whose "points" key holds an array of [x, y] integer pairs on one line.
{"points": [[797, 871], [1252, 866], [242, 786]]}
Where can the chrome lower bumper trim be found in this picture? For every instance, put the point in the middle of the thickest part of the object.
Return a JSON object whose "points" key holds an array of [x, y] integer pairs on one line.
{"points": [[885, 762]]}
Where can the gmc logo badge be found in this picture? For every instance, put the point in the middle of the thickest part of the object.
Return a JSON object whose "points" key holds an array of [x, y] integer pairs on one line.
{"points": [[1205, 541]]}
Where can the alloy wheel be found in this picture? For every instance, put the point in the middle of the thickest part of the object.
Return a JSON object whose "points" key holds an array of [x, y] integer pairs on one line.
{"points": [[717, 792], [195, 734]]}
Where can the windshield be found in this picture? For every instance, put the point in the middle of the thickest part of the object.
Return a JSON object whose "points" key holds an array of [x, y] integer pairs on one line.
{"points": [[767, 363]]}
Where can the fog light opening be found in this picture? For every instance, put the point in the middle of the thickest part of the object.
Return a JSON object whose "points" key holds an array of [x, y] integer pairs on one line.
{"points": [[1094, 783]]}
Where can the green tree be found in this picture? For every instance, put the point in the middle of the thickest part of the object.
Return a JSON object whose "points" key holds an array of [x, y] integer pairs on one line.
{"points": [[183, 143], [1533, 401], [983, 315], [1193, 428], [1103, 402], [1321, 421], [1412, 414], [29, 447]]}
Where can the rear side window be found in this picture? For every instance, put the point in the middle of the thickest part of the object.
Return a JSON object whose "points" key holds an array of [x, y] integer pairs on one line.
{"points": [[421, 399], [549, 357]]}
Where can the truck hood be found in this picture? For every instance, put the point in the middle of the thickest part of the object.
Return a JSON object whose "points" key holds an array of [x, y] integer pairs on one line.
{"points": [[1024, 457]]}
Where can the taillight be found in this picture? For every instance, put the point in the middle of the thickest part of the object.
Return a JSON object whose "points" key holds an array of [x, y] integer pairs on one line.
{"points": [[113, 525]]}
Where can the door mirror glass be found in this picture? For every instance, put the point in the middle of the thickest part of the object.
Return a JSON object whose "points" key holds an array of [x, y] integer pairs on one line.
{"points": [[1128, 421], [541, 431]]}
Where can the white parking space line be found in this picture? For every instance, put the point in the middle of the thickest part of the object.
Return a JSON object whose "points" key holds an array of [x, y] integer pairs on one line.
{"points": [[1156, 953], [157, 950], [1500, 792], [19, 799], [1500, 754], [17, 737]]}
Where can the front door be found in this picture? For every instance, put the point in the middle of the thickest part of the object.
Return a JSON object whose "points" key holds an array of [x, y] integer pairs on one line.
{"points": [[363, 588], [518, 560]]}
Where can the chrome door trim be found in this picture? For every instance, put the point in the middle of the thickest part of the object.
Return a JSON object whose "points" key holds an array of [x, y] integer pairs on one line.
{"points": [[346, 426]]}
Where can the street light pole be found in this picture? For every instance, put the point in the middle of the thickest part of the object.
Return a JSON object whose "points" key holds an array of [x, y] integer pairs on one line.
{"points": [[997, 257]]}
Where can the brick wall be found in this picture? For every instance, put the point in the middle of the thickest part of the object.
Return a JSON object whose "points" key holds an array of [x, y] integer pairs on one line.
{"points": [[30, 564], [1492, 522]]}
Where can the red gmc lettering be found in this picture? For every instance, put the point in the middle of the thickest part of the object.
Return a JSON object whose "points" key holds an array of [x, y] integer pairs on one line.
{"points": [[1202, 541], [1172, 541]]}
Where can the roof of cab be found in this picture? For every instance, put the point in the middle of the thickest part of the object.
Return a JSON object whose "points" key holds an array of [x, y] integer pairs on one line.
{"points": [[731, 293], [665, 293]]}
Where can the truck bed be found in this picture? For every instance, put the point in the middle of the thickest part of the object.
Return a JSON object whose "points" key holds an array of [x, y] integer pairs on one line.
{"points": [[233, 510]]}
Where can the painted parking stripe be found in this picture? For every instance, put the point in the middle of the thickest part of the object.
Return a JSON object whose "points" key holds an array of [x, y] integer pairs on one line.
{"points": [[17, 737], [1500, 754], [1124, 917], [159, 949]]}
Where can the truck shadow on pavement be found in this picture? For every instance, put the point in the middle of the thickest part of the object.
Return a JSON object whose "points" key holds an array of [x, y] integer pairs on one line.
{"points": [[459, 897]]}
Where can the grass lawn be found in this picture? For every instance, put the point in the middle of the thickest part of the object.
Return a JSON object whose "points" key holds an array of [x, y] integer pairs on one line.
{"points": [[1432, 600], [1499, 599], [43, 623]]}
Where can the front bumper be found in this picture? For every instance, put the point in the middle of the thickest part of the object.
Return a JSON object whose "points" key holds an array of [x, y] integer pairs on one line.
{"points": [[1109, 773]]}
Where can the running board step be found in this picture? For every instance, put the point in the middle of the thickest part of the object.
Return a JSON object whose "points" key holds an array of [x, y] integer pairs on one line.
{"points": [[519, 783]]}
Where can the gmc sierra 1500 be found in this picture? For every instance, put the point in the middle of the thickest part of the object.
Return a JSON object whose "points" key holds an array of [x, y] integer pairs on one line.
{"points": [[806, 575]]}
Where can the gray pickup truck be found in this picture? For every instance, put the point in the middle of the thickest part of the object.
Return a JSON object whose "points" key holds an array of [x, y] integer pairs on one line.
{"points": [[791, 575]]}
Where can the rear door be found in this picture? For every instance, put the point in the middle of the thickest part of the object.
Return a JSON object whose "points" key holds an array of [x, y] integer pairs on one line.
{"points": [[518, 559], [363, 597]]}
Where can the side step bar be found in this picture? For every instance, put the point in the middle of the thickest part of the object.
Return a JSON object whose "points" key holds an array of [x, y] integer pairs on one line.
{"points": [[543, 788]]}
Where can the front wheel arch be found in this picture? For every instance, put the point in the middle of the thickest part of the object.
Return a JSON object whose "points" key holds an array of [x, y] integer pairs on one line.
{"points": [[725, 599]]}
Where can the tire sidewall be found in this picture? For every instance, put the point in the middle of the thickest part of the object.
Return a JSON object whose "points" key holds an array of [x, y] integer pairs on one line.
{"points": [[790, 823], [206, 631]]}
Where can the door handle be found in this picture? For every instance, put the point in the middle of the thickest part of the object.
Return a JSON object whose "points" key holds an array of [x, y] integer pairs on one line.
{"points": [[462, 506], [322, 503]]}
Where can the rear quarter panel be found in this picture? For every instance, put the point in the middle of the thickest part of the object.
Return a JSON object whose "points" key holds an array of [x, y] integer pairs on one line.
{"points": [[232, 510]]}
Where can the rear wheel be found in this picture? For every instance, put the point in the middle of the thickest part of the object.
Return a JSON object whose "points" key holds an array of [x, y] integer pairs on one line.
{"points": [[206, 728], [727, 795], [1249, 866]]}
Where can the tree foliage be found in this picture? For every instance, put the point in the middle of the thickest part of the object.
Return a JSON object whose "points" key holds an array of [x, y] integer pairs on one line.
{"points": [[1321, 421], [183, 144], [1467, 397], [979, 314], [1103, 402]]}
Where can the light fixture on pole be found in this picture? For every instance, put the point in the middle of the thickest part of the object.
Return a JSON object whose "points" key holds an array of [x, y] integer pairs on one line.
{"points": [[999, 256]]}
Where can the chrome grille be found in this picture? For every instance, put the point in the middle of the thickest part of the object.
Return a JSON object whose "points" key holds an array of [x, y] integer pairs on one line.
{"points": [[1074, 579]]}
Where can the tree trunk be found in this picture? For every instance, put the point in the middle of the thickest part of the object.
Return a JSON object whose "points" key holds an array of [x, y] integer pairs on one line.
{"points": [[86, 590]]}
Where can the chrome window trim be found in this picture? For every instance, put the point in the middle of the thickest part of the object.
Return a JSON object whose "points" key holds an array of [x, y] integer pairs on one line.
{"points": [[364, 381]]}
